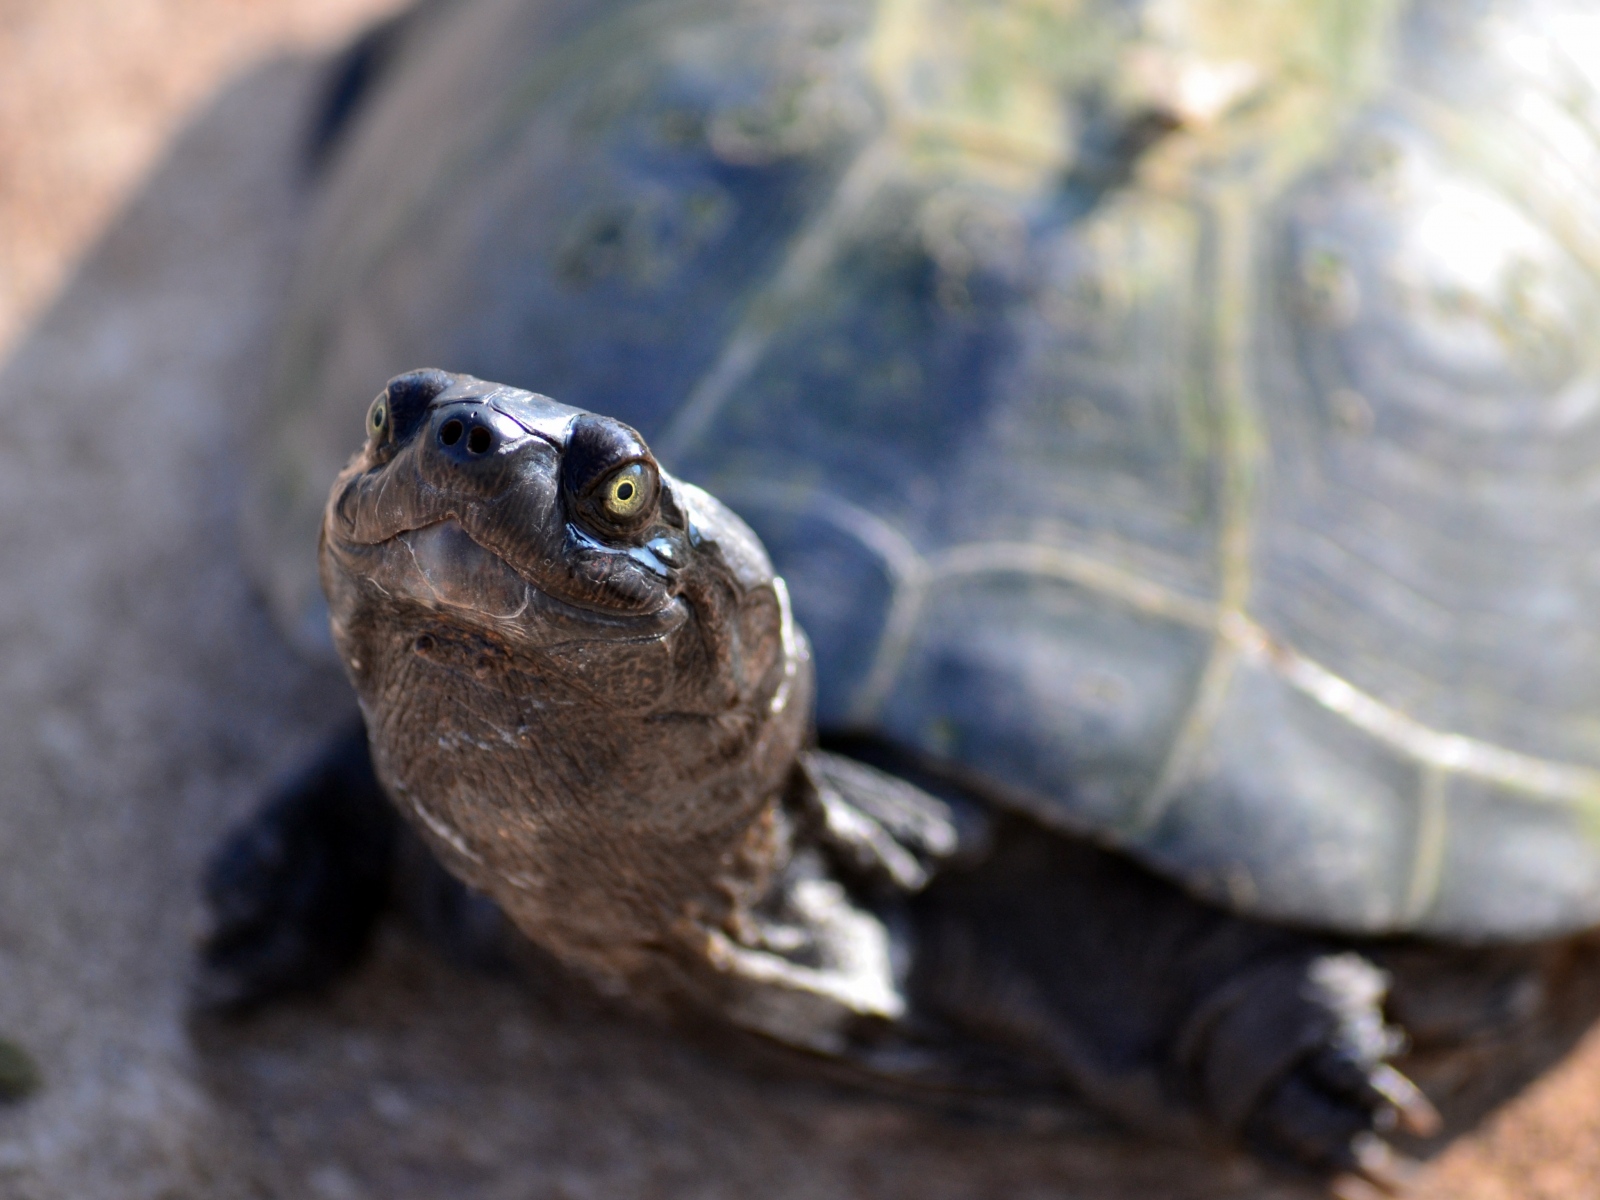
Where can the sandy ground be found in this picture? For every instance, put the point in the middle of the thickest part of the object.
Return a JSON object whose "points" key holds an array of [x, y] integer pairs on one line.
{"points": [[146, 217]]}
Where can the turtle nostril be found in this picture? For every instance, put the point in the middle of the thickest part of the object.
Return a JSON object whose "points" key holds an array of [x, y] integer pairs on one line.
{"points": [[479, 440], [450, 432]]}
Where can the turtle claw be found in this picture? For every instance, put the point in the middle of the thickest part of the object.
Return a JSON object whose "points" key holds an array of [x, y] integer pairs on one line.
{"points": [[1413, 1110], [1394, 1099], [1304, 1123], [1330, 1114], [1336, 1135], [1375, 1171], [1381, 1165], [1357, 1187]]}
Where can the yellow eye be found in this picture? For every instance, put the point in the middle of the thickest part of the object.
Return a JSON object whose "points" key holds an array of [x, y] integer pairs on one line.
{"points": [[627, 493], [377, 417]]}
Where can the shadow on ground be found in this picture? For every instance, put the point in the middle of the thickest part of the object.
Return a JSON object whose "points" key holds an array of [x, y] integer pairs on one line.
{"points": [[147, 701]]}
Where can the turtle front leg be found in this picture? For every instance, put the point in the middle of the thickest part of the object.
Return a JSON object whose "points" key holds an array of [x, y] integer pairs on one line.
{"points": [[1175, 1015], [292, 895]]}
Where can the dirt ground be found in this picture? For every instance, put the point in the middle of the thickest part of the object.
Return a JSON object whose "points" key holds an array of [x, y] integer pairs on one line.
{"points": [[144, 224], [90, 93]]}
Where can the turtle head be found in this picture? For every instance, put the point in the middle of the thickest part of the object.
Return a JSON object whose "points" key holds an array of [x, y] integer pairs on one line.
{"points": [[533, 528], [566, 658]]}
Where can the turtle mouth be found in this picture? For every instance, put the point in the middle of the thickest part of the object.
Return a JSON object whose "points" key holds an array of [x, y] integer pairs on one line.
{"points": [[440, 566]]}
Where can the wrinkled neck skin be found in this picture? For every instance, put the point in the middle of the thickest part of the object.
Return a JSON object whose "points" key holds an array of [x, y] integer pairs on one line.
{"points": [[597, 734]]}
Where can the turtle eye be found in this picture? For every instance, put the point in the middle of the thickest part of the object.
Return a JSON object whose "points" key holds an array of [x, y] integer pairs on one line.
{"points": [[378, 418], [628, 492], [611, 481]]}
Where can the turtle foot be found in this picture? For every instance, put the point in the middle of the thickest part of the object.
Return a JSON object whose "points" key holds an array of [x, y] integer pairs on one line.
{"points": [[1296, 1058], [292, 895]]}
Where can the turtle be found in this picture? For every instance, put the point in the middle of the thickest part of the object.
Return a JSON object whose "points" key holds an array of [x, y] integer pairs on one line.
{"points": [[1026, 547]]}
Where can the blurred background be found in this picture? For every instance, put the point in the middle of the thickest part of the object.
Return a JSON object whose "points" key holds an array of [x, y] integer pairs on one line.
{"points": [[92, 92], [147, 208]]}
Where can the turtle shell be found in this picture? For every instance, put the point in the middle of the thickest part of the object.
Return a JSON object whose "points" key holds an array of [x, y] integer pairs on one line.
{"points": [[1176, 417]]}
